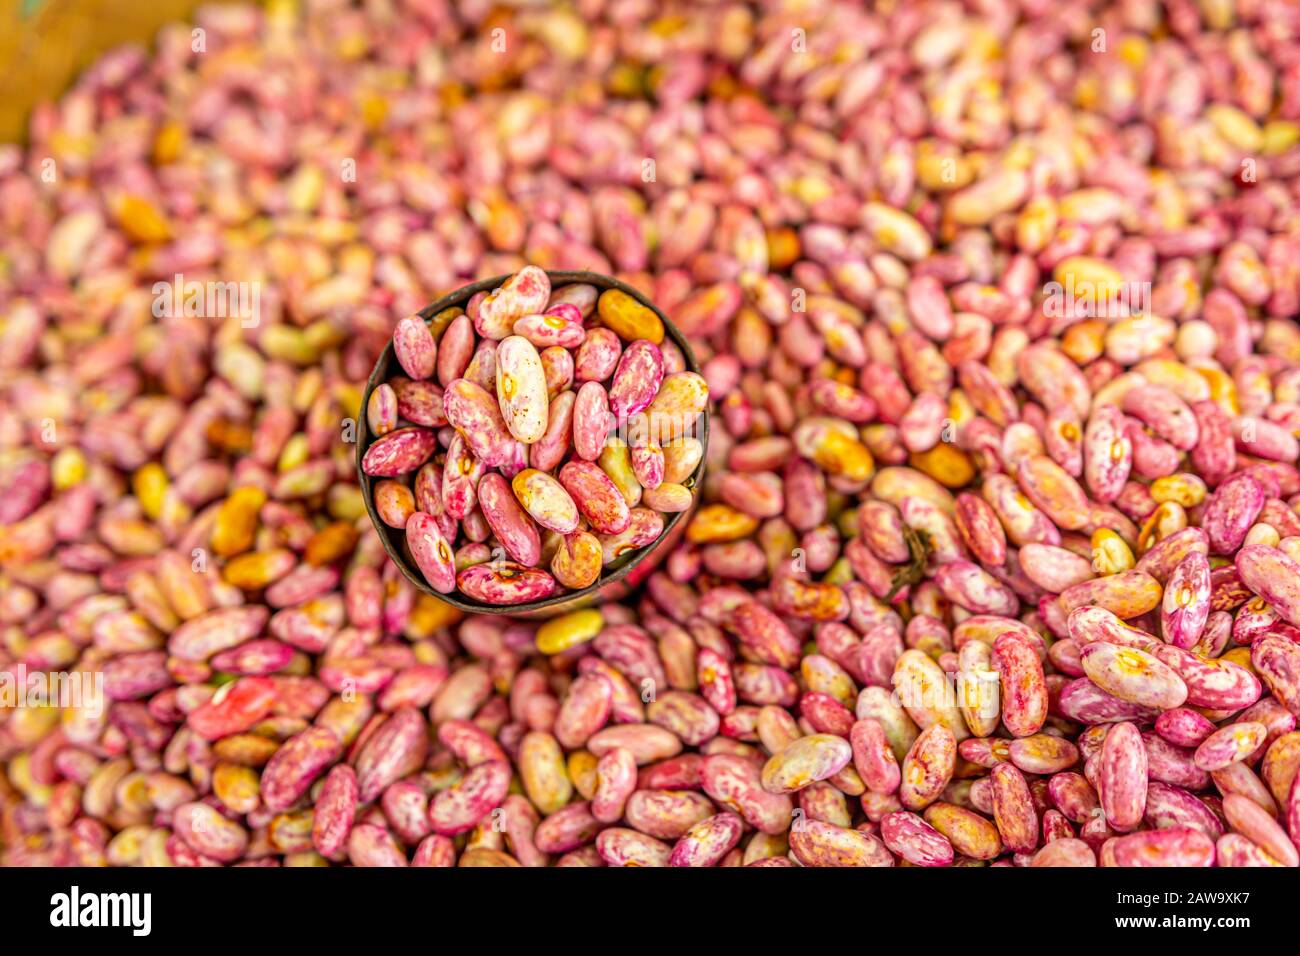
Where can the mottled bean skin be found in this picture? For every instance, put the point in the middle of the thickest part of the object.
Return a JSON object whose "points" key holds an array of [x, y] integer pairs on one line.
{"points": [[1024, 691], [1122, 775], [921, 470]]}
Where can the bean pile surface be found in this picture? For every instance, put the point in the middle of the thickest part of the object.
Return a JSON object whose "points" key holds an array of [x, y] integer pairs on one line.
{"points": [[997, 558]]}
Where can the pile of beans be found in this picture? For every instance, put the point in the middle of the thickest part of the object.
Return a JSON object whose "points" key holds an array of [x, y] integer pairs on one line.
{"points": [[506, 407], [995, 563]]}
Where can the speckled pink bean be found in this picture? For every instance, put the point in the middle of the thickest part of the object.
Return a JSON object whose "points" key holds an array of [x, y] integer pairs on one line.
{"points": [[1246, 817], [546, 500], [646, 742], [1127, 594], [1013, 809], [928, 767], [1217, 684], [413, 686], [513, 528], [414, 347], [980, 529], [1133, 675], [381, 409], [560, 327], [567, 829], [873, 758], [1184, 727], [837, 399], [1265, 439], [636, 379], [557, 366], [921, 426], [688, 716], [1273, 575], [616, 780], [523, 293], [461, 474], [578, 294], [1073, 796], [455, 349], [428, 494], [431, 552], [549, 450], [1166, 414], [1215, 455], [910, 837], [461, 695], [1122, 776], [1023, 522], [460, 807], [519, 820], [1229, 744], [301, 584], [1234, 850], [814, 843], [804, 762], [1172, 765], [1186, 602], [372, 845], [264, 656], [201, 637], [584, 709], [707, 842], [396, 748], [133, 676], [299, 761], [592, 420], [675, 773], [765, 634], [647, 464], [1053, 568], [406, 808], [399, 452], [1024, 690], [1170, 806], [476, 414], [1177, 846], [973, 588], [598, 356], [945, 541], [419, 402], [1239, 778], [336, 808], [881, 529], [1277, 662], [622, 847], [1068, 851], [1043, 754], [734, 782], [468, 742], [521, 389], [208, 832], [596, 496], [394, 503], [482, 368], [1230, 512], [1108, 453], [716, 684]]}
